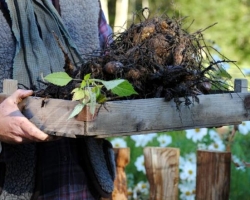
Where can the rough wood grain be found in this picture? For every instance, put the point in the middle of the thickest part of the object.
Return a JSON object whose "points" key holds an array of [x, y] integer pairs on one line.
{"points": [[140, 116], [9, 86], [122, 157], [162, 169], [240, 85], [155, 115], [213, 175], [52, 116]]}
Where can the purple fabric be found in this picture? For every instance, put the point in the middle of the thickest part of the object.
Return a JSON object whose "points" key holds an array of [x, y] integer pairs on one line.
{"points": [[105, 31]]}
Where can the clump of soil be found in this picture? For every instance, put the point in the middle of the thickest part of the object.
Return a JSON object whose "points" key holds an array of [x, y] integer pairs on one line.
{"points": [[159, 58]]}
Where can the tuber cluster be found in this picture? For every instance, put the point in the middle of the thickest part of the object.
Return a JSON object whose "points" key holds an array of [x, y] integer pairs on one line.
{"points": [[160, 59]]}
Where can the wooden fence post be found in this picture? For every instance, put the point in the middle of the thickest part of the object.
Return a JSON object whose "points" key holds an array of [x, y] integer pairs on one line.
{"points": [[213, 175], [240, 85], [9, 86], [122, 158], [162, 170]]}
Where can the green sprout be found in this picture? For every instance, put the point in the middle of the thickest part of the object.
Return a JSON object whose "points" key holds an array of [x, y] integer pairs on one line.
{"points": [[89, 91]]}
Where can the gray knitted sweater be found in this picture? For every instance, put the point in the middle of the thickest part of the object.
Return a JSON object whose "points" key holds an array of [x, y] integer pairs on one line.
{"points": [[39, 50]]}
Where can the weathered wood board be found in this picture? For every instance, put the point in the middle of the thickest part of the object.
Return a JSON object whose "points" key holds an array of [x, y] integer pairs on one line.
{"points": [[130, 117], [156, 115]]}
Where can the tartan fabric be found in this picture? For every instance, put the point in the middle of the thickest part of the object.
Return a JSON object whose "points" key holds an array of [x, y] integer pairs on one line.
{"points": [[105, 31], [60, 172]]}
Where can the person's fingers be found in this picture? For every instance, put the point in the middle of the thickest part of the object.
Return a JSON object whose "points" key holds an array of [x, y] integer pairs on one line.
{"points": [[25, 93], [18, 95], [16, 127], [34, 132]]}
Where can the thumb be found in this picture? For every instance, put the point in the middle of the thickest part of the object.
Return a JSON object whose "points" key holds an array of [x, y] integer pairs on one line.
{"points": [[19, 95]]}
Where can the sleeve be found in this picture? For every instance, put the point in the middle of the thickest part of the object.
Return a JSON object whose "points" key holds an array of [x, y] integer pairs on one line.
{"points": [[2, 153], [3, 4], [105, 31]]}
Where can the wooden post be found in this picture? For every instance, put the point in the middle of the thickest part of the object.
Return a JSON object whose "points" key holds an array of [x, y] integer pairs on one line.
{"points": [[122, 158], [240, 85], [213, 175], [162, 170], [9, 86]]}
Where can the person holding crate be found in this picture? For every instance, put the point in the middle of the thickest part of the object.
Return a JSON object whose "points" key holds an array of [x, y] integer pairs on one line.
{"points": [[33, 164]]}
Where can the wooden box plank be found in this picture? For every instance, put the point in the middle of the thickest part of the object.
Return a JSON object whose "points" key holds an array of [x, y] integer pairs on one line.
{"points": [[53, 116], [130, 117], [156, 115]]}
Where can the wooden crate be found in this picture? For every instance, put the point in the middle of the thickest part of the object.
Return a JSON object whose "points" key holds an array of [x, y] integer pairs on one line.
{"points": [[131, 117]]}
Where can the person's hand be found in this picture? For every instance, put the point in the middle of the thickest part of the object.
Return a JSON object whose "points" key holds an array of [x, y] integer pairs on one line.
{"points": [[16, 128]]}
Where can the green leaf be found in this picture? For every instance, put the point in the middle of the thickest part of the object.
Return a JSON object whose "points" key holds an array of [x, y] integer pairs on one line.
{"points": [[58, 78], [78, 94], [124, 89], [101, 98], [87, 92], [97, 90], [110, 84], [75, 90], [78, 108], [87, 77], [83, 84]]}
